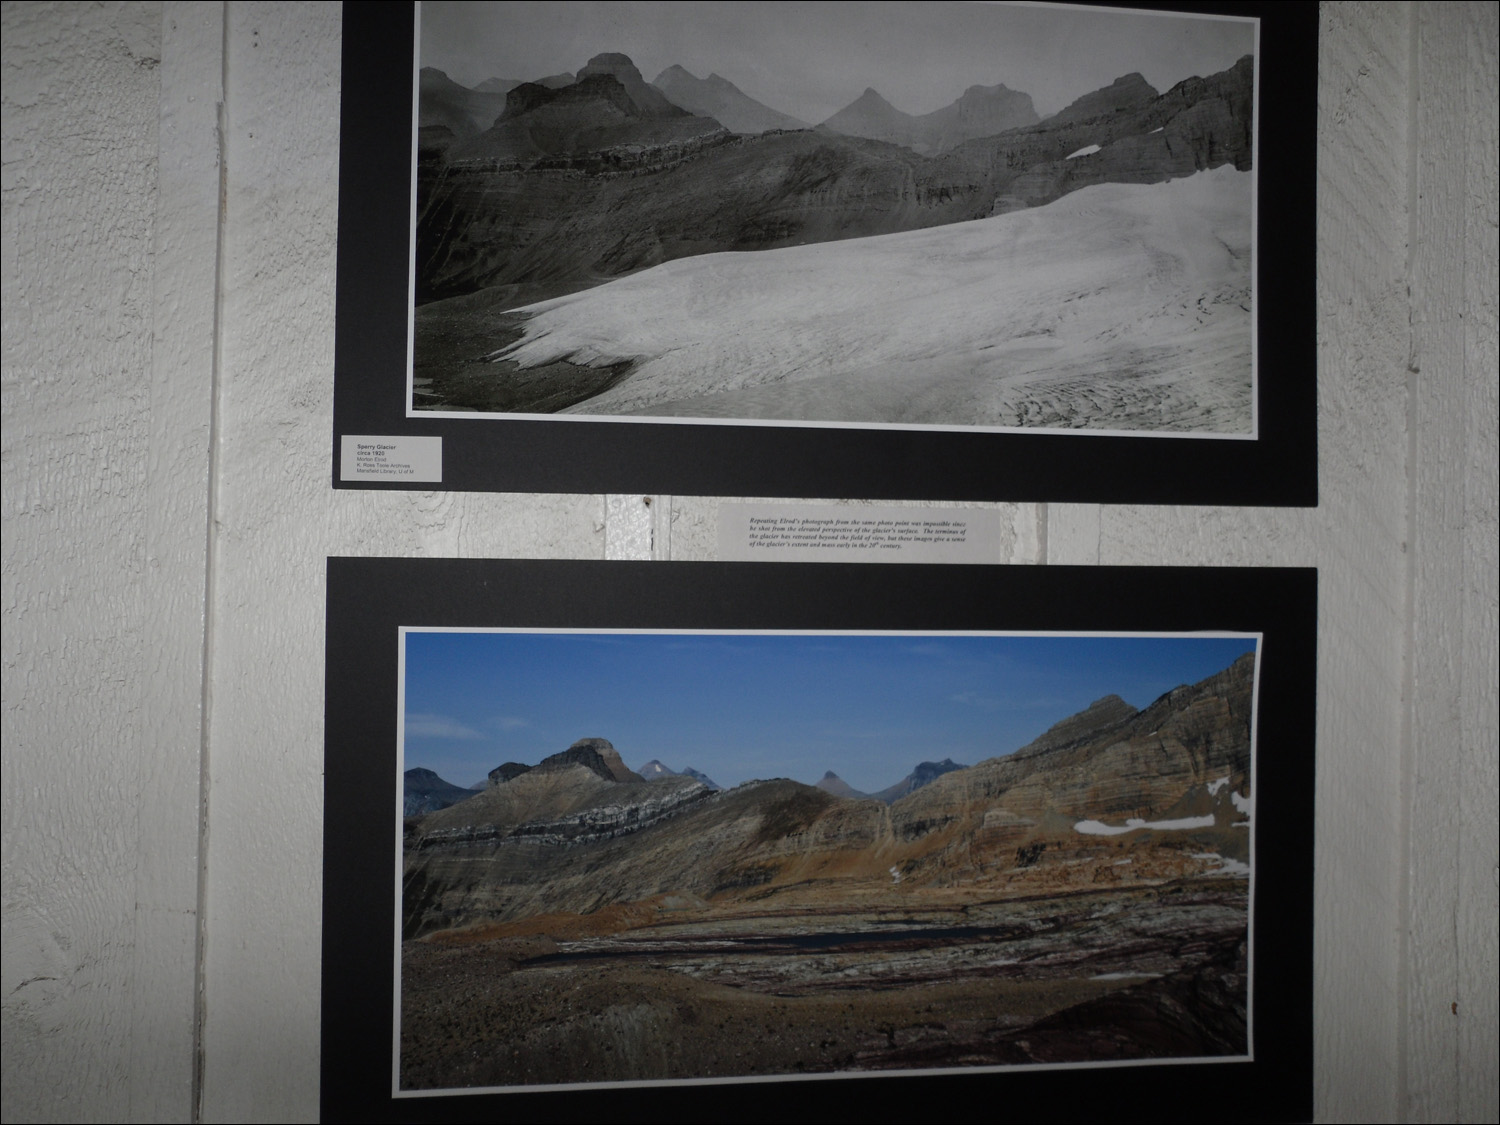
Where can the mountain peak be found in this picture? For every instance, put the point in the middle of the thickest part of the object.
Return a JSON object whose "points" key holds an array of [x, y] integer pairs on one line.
{"points": [[596, 754], [648, 99], [720, 99], [608, 61], [1129, 91]]}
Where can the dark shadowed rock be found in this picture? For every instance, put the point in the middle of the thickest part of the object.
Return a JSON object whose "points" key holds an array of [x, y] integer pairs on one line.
{"points": [[506, 772], [697, 775], [596, 754], [566, 195], [649, 101], [423, 791], [925, 774], [1130, 91], [608, 110]]}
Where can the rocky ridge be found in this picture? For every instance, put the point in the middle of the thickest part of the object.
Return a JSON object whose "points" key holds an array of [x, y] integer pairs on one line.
{"points": [[1168, 788], [423, 791], [585, 185], [722, 100], [654, 769]]}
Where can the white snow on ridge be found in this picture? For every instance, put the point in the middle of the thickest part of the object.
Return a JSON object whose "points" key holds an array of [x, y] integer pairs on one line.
{"points": [[1086, 150], [1099, 828], [1215, 786], [1245, 805], [1119, 306]]}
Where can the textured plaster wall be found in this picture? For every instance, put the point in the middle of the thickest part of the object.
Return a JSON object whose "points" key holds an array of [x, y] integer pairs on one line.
{"points": [[170, 186]]}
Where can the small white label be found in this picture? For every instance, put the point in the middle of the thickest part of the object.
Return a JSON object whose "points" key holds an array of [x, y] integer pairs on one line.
{"points": [[840, 533], [366, 457]]}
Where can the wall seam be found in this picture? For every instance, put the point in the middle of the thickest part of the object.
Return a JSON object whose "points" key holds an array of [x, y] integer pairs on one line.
{"points": [[1409, 551], [200, 1004]]}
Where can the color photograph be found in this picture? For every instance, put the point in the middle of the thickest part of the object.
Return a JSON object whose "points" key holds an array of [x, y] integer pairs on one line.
{"points": [[685, 856]]}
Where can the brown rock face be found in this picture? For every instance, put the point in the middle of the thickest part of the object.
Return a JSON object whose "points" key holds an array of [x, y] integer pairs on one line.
{"points": [[596, 754], [574, 835]]}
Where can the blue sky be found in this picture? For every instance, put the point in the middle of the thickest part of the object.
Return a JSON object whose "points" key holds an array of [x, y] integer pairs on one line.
{"points": [[741, 706]]}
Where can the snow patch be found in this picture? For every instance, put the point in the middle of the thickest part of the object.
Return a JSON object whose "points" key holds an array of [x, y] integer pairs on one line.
{"points": [[1226, 866], [1244, 804], [1158, 129], [1099, 828], [1086, 150], [1215, 786], [1121, 306]]}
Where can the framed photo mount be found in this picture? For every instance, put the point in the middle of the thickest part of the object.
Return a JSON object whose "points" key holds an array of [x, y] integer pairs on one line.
{"points": [[565, 282], [1112, 921]]}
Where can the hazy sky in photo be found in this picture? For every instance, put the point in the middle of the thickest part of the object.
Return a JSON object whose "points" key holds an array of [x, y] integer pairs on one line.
{"points": [[742, 706], [811, 60]]}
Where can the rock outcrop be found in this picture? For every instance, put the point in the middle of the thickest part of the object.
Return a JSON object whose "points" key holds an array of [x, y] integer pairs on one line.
{"points": [[579, 185], [925, 774], [423, 791], [1111, 794], [507, 771], [596, 754], [1128, 92]]}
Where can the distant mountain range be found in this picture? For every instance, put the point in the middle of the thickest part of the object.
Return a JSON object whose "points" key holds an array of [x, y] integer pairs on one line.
{"points": [[423, 791], [924, 774], [572, 184], [1110, 793], [722, 100], [452, 113], [654, 769], [982, 111]]}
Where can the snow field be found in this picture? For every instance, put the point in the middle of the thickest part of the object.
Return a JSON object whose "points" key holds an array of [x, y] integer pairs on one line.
{"points": [[1118, 307]]}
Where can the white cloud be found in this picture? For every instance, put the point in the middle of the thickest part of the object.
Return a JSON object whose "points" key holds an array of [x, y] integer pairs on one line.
{"points": [[438, 726]]}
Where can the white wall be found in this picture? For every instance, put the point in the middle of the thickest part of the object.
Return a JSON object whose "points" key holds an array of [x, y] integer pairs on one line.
{"points": [[170, 187]]}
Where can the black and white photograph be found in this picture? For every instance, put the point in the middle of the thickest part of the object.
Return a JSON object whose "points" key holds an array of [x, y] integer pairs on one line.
{"points": [[838, 837], [951, 215]]}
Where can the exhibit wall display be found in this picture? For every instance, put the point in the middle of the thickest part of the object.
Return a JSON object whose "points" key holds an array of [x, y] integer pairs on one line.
{"points": [[832, 835], [956, 251]]}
